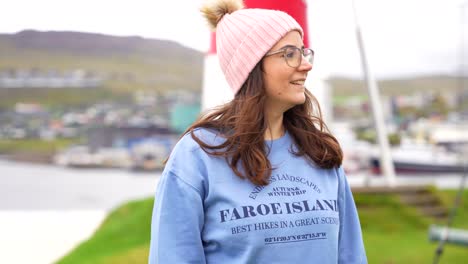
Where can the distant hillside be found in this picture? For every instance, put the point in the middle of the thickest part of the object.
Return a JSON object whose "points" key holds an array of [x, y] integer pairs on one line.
{"points": [[128, 63], [133, 63], [404, 86]]}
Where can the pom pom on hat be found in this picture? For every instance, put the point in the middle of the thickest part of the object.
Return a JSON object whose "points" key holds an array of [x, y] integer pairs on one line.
{"points": [[214, 11], [244, 36]]}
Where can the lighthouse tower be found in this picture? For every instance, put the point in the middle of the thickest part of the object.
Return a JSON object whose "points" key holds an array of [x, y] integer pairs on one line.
{"points": [[215, 88]]}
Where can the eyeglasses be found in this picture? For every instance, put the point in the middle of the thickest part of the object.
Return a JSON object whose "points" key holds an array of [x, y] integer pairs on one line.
{"points": [[293, 55]]}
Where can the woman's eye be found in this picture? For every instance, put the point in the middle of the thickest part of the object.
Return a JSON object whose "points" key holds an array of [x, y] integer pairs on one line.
{"points": [[290, 54]]}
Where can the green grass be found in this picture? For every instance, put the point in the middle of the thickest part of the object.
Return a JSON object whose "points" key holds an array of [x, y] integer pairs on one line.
{"points": [[122, 237], [393, 233], [461, 216]]}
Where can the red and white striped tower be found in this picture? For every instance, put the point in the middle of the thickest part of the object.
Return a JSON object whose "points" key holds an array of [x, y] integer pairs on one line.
{"points": [[215, 88]]}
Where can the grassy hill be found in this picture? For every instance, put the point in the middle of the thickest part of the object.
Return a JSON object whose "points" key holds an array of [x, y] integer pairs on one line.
{"points": [[126, 63], [393, 233], [135, 63], [399, 86]]}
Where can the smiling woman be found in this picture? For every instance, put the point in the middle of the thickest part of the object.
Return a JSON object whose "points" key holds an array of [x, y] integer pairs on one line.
{"points": [[262, 171]]}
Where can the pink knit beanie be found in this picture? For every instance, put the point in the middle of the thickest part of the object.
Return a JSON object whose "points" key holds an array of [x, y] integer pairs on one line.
{"points": [[244, 36]]}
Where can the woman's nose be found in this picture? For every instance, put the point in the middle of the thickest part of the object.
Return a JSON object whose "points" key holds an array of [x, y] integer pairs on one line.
{"points": [[305, 65]]}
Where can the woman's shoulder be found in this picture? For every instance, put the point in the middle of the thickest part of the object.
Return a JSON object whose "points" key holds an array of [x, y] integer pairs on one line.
{"points": [[207, 136], [188, 161]]}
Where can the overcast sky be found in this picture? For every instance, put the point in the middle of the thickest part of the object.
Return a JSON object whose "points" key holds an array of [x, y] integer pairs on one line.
{"points": [[402, 37]]}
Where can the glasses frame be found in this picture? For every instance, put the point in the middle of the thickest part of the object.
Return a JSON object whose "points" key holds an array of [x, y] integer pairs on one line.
{"points": [[302, 50]]}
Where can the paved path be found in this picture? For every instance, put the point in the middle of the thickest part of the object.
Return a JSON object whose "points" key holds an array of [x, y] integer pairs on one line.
{"points": [[44, 236]]}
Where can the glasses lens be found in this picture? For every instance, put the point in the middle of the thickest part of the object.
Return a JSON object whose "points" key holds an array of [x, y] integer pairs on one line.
{"points": [[293, 56], [309, 55]]}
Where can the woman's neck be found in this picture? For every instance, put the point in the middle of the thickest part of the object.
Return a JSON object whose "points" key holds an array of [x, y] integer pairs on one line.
{"points": [[275, 127]]}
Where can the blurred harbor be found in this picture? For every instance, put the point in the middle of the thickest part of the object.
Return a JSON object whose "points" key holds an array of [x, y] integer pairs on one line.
{"points": [[87, 161]]}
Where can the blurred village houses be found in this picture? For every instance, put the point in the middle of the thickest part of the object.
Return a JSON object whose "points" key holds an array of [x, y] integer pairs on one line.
{"points": [[135, 135]]}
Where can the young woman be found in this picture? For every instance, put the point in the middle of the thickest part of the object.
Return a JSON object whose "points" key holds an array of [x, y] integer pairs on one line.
{"points": [[258, 180]]}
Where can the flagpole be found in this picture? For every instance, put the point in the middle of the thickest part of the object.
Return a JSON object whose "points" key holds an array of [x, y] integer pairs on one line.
{"points": [[386, 163]]}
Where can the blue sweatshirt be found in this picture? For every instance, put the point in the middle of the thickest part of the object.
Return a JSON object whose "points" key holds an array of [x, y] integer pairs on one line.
{"points": [[204, 213]]}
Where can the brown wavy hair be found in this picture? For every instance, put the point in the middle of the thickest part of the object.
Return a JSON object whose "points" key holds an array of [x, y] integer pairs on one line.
{"points": [[242, 122]]}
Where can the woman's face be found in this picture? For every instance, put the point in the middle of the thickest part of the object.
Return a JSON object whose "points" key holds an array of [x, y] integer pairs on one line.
{"points": [[284, 84]]}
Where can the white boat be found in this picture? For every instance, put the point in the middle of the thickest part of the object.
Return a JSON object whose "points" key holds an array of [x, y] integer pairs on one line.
{"points": [[422, 158]]}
